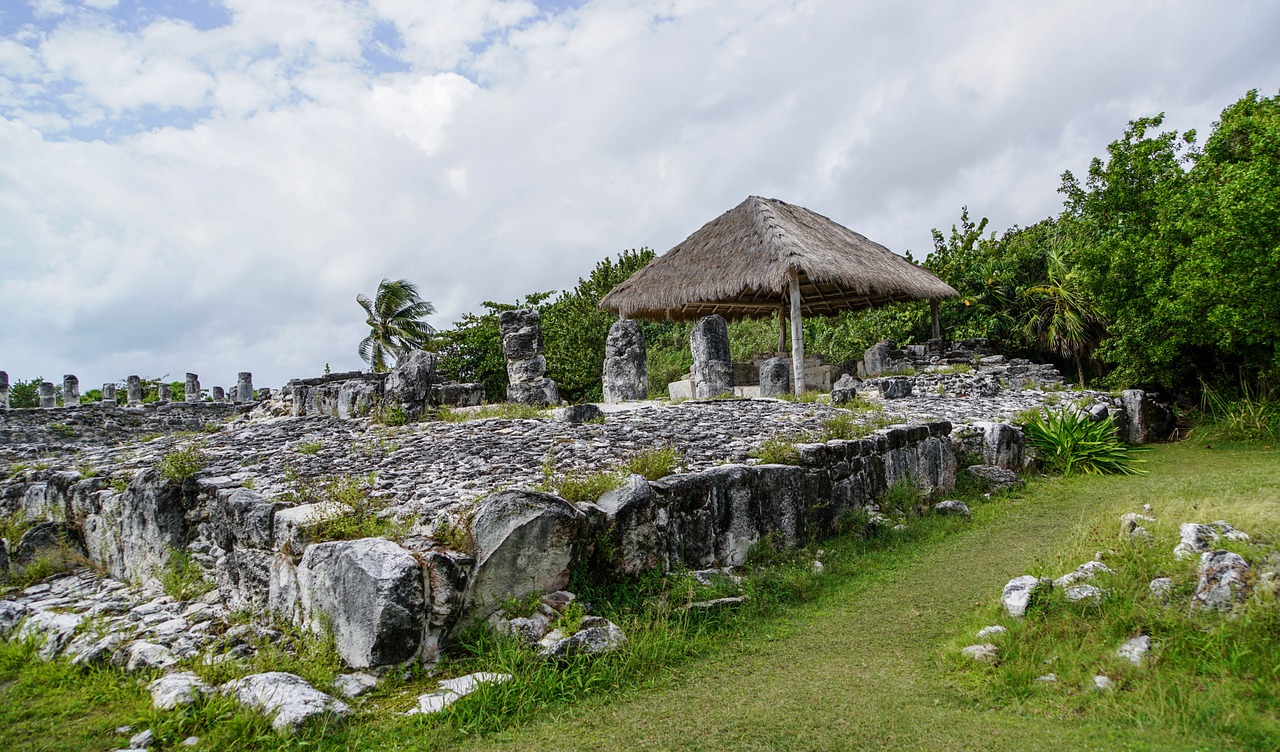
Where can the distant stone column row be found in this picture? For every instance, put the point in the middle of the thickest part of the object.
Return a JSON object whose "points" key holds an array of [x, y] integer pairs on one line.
{"points": [[241, 393]]}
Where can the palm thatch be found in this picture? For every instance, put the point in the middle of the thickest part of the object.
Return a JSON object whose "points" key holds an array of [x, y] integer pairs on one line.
{"points": [[739, 265]]}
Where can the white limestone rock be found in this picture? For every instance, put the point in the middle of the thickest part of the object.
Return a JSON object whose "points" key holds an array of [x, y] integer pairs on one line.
{"points": [[287, 698], [953, 508], [1134, 650], [991, 631], [1223, 581], [140, 655], [452, 690], [1194, 539], [354, 684], [596, 636], [1018, 591], [984, 653], [172, 690]]}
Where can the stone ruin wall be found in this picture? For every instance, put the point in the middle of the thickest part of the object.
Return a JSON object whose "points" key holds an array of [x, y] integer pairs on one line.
{"points": [[390, 602]]}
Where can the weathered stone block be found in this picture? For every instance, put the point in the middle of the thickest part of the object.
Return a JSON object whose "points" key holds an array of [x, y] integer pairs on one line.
{"points": [[369, 594], [409, 383], [626, 370], [535, 394], [521, 334], [1146, 420], [878, 358], [524, 542], [775, 378], [712, 365]]}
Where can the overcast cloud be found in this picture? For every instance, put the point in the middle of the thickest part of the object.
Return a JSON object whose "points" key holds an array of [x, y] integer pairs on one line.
{"points": [[206, 186]]}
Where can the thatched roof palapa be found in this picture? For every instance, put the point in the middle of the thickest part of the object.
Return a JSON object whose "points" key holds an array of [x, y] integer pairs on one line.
{"points": [[739, 265]]}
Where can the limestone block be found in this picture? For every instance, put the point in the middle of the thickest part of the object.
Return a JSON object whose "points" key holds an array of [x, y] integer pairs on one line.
{"points": [[626, 370], [844, 391], [712, 365], [133, 385], [409, 383], [524, 542], [894, 388], [164, 392], [541, 393], [48, 398], [1003, 445], [632, 514], [680, 390], [289, 526], [878, 358], [109, 393], [1147, 421], [521, 334], [596, 636], [70, 390], [458, 395], [526, 370], [775, 378], [578, 413], [287, 698], [244, 387], [1018, 593], [369, 594], [1223, 581], [172, 690]]}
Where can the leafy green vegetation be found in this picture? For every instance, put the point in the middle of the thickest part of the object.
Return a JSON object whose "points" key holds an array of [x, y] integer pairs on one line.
{"points": [[180, 464], [396, 317], [779, 450], [310, 447], [503, 410], [653, 464], [355, 493], [1249, 417], [182, 578], [1069, 441]]}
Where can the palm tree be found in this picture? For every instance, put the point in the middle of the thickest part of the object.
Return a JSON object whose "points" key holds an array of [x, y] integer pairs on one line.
{"points": [[395, 323], [1064, 321]]}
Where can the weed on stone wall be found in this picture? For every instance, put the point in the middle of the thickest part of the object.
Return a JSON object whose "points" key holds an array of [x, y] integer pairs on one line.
{"points": [[363, 521], [180, 464], [779, 450], [653, 464], [504, 410], [182, 578]]}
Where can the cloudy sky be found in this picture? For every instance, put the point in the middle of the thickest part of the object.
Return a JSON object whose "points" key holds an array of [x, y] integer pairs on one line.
{"points": [[206, 185]]}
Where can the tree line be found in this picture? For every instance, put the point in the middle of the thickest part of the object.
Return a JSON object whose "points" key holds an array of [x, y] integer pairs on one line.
{"points": [[1161, 271]]}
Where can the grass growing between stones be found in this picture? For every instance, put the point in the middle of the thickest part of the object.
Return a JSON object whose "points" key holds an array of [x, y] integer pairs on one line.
{"points": [[504, 410], [859, 657]]}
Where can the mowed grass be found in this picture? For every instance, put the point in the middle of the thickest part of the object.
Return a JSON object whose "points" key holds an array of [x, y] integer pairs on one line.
{"points": [[861, 657]]}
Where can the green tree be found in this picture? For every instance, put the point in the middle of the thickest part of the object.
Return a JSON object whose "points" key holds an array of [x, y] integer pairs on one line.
{"points": [[395, 319], [25, 393], [1063, 320]]}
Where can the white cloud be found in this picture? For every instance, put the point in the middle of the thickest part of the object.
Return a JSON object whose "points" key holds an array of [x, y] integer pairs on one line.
{"points": [[244, 182]]}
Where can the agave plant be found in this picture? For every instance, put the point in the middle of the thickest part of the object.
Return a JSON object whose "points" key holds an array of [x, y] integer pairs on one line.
{"points": [[1069, 442]]}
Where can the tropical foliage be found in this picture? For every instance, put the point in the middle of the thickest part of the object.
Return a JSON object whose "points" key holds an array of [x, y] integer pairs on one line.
{"points": [[395, 318], [1070, 442]]}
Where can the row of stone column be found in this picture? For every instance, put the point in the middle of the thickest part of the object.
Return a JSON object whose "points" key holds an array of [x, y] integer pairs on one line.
{"points": [[242, 392]]}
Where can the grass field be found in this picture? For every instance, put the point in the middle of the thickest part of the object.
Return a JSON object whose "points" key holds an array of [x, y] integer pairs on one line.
{"points": [[862, 658]]}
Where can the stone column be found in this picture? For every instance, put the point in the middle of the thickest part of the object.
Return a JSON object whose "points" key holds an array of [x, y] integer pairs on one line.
{"points": [[775, 378], [526, 367], [626, 370], [244, 387], [70, 390], [109, 393], [712, 368], [133, 386], [47, 397], [219, 395], [191, 389], [264, 393], [4, 390], [165, 392]]}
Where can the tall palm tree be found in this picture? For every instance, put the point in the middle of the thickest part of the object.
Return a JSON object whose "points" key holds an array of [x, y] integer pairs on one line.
{"points": [[1064, 321], [395, 322]]}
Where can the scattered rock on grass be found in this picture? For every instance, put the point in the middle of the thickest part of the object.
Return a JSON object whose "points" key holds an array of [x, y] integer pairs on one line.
{"points": [[1135, 649], [998, 478], [1161, 588], [994, 629], [355, 684], [596, 636], [952, 507], [1222, 581], [984, 653], [1103, 683], [452, 690], [287, 698], [1017, 594], [172, 690]]}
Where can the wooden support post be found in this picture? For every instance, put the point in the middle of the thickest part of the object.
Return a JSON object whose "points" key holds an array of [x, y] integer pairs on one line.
{"points": [[782, 331], [933, 310], [797, 335]]}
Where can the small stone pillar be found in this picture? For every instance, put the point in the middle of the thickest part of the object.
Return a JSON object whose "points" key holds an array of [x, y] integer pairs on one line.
{"points": [[626, 369], [526, 367], [775, 378], [712, 368], [878, 358], [164, 392], [219, 395], [109, 393], [191, 389], [70, 390], [4, 390], [264, 393], [47, 398], [244, 387], [133, 386]]}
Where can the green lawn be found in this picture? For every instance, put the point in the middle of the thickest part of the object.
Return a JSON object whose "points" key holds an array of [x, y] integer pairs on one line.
{"points": [[868, 663]]}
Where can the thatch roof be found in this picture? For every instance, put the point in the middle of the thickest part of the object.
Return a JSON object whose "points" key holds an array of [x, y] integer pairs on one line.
{"points": [[739, 265]]}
